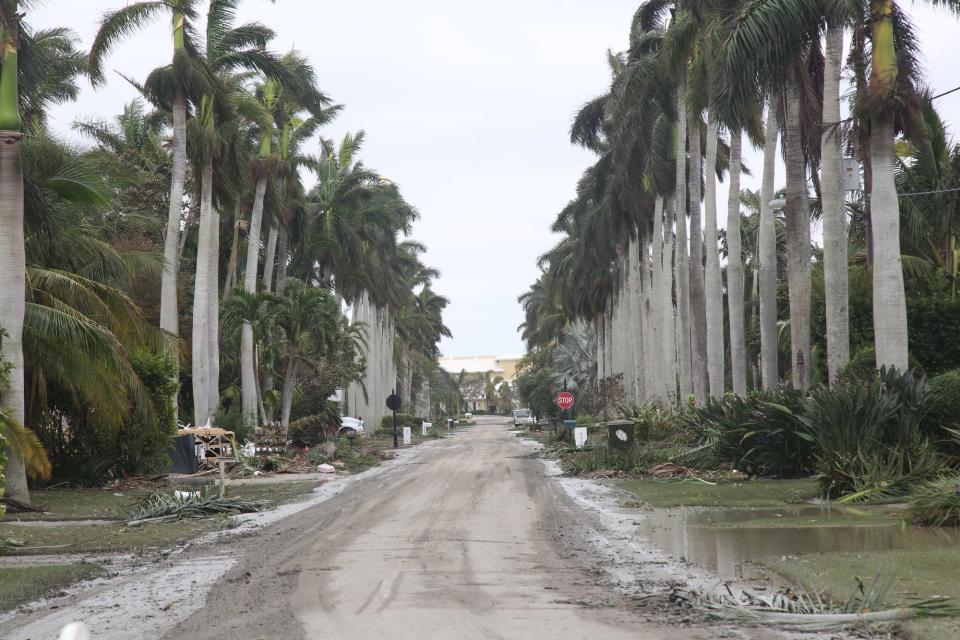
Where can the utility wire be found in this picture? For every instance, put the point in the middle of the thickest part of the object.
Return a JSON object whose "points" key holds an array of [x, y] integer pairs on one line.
{"points": [[945, 93], [928, 193]]}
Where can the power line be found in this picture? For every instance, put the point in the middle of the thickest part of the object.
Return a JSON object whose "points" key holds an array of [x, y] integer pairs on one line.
{"points": [[928, 193], [945, 93]]}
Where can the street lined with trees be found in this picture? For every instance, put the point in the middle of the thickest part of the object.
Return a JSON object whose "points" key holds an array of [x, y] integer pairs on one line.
{"points": [[198, 259]]}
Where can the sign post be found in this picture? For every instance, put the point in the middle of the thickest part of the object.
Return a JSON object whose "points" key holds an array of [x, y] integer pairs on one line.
{"points": [[394, 403]]}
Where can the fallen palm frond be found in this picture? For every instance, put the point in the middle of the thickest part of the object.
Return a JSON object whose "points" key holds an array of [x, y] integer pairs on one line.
{"points": [[10, 543], [164, 507], [797, 609], [936, 502]]}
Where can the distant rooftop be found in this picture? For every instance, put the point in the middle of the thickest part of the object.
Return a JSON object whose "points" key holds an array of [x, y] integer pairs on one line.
{"points": [[474, 364]]}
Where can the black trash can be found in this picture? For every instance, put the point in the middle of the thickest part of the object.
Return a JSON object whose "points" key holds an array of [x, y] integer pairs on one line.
{"points": [[621, 434]]}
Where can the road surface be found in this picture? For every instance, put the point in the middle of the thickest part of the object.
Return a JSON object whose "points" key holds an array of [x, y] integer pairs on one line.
{"points": [[456, 545]]}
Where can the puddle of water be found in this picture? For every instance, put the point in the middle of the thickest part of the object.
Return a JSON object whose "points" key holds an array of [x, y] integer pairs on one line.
{"points": [[728, 541]]}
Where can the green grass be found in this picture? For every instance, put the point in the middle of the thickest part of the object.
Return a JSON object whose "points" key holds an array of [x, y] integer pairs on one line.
{"points": [[22, 584], [85, 504], [921, 574], [693, 493]]}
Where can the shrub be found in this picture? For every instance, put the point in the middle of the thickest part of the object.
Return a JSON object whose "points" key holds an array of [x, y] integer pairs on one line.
{"points": [[311, 430], [868, 435], [936, 502], [653, 422], [633, 461], [403, 420], [944, 399], [759, 433]]}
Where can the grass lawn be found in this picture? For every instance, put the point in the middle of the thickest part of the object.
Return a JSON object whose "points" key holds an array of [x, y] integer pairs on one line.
{"points": [[922, 574], [22, 584], [693, 493], [93, 504]]}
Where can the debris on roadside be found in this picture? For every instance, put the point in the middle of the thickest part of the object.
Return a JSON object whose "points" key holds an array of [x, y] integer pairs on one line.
{"points": [[162, 507], [671, 470]]}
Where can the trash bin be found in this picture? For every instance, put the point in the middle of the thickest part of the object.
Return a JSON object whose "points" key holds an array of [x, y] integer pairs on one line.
{"points": [[621, 434]]}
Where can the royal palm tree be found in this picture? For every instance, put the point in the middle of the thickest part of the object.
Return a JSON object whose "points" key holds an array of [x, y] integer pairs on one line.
{"points": [[12, 251], [170, 87], [37, 70]]}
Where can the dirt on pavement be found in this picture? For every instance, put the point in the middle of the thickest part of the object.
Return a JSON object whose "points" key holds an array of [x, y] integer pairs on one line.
{"points": [[464, 538], [456, 546]]}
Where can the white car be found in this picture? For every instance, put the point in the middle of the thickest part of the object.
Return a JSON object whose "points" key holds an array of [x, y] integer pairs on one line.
{"points": [[468, 416], [523, 418], [351, 426]]}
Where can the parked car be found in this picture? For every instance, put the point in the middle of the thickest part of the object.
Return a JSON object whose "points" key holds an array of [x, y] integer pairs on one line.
{"points": [[468, 416], [351, 426], [523, 418]]}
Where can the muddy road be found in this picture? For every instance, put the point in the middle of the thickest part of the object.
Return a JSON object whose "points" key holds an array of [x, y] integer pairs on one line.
{"points": [[465, 537], [456, 545]]}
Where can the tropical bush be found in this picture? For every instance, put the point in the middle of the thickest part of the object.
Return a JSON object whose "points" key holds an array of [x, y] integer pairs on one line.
{"points": [[403, 420], [868, 438], [936, 502], [759, 434], [945, 399], [321, 427], [654, 423]]}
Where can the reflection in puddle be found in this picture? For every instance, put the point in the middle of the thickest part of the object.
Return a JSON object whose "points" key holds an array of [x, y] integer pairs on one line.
{"points": [[727, 541]]}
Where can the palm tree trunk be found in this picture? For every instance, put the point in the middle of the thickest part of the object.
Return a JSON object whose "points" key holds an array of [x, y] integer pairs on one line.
{"points": [[270, 259], [12, 282], [668, 312], [248, 384], [769, 343], [169, 312], [680, 257], [283, 256], [889, 299], [738, 341], [256, 367], [213, 312], [201, 303], [698, 304], [289, 384], [834, 214], [230, 283], [798, 243], [713, 282]]}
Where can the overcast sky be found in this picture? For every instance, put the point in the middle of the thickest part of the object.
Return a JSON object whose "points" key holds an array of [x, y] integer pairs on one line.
{"points": [[467, 107]]}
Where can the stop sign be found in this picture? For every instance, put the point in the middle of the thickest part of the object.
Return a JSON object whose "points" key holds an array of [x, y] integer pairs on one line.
{"points": [[564, 400]]}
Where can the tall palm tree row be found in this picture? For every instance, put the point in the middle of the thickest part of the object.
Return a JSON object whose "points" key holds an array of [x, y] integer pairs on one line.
{"points": [[682, 100], [93, 290]]}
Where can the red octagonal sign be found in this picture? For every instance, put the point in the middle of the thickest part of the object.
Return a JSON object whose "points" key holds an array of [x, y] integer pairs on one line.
{"points": [[564, 400]]}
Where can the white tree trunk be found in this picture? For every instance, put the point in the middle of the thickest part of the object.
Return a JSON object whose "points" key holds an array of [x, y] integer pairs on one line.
{"points": [[13, 298], [680, 257], [798, 244], [713, 282], [769, 345], [835, 263], [169, 312], [889, 298], [248, 384], [738, 341], [201, 303], [213, 312], [289, 386], [270, 259], [668, 324], [698, 303]]}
